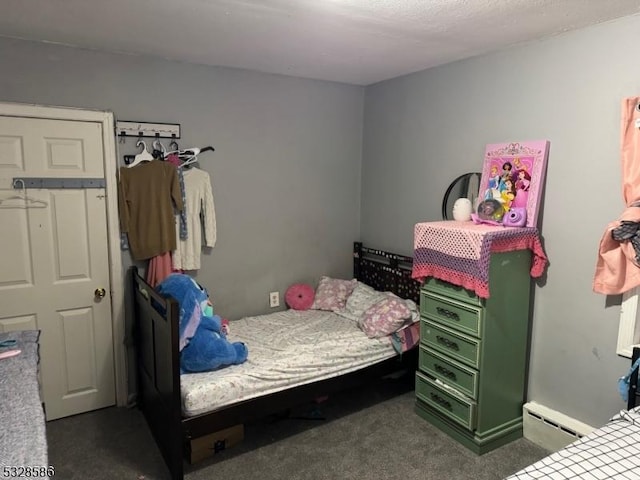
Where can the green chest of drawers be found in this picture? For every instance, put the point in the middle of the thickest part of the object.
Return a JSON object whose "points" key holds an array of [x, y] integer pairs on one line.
{"points": [[473, 355]]}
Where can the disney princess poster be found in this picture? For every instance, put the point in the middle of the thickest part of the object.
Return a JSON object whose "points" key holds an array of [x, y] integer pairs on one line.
{"points": [[514, 174]]}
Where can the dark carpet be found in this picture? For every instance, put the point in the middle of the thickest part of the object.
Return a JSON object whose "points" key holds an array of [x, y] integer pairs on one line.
{"points": [[370, 433]]}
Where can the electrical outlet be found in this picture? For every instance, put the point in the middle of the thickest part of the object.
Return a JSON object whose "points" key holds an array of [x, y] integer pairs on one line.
{"points": [[274, 299]]}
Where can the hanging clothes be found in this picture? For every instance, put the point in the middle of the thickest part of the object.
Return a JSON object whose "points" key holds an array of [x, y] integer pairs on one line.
{"points": [[147, 194], [617, 268], [174, 159], [159, 268], [199, 203]]}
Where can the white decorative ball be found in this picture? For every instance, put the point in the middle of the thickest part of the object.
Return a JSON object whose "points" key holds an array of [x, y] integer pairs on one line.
{"points": [[462, 210]]}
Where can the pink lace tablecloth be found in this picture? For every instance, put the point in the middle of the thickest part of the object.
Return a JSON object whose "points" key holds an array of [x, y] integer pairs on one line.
{"points": [[459, 252]]}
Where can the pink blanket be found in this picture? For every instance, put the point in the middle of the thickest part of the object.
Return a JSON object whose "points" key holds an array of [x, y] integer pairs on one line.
{"points": [[460, 252]]}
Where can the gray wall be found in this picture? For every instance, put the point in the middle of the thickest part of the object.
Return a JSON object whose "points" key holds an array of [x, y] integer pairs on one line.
{"points": [[285, 173], [423, 130]]}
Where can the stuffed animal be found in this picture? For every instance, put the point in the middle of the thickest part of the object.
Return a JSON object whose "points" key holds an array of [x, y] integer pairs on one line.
{"points": [[203, 344]]}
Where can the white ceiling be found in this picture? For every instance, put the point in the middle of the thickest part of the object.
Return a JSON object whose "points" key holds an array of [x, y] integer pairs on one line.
{"points": [[352, 41]]}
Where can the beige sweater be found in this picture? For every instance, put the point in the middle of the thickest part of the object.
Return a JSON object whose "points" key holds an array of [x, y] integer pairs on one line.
{"points": [[145, 196], [200, 213]]}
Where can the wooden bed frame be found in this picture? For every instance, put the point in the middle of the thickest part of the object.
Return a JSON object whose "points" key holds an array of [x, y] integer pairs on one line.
{"points": [[156, 340]]}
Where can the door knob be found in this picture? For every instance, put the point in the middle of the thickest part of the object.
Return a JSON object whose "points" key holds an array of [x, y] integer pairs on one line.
{"points": [[100, 292]]}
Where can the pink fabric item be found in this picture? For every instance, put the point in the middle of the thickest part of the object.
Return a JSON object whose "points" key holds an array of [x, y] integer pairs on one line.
{"points": [[300, 296], [9, 353], [385, 317], [332, 294], [406, 338], [533, 243], [460, 252], [174, 159], [159, 268], [455, 277], [616, 268]]}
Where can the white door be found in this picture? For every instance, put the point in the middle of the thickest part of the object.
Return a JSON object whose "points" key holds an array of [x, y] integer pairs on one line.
{"points": [[54, 258]]}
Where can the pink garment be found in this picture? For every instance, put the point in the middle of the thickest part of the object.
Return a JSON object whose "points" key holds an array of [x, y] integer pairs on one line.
{"points": [[159, 268], [174, 159], [616, 269]]}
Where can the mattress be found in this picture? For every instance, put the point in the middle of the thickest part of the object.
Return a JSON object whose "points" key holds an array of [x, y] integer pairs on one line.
{"points": [[286, 349], [609, 452]]}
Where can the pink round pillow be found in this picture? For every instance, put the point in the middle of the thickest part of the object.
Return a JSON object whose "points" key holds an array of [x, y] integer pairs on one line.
{"points": [[300, 296]]}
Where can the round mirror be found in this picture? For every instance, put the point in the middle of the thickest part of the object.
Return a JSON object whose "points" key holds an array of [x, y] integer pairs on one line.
{"points": [[466, 185]]}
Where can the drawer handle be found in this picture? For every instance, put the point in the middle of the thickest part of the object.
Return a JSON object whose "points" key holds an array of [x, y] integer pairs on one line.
{"points": [[441, 401], [447, 343], [448, 313], [445, 372]]}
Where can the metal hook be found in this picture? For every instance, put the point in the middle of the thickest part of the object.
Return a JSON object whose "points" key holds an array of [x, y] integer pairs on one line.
{"points": [[24, 187], [157, 145]]}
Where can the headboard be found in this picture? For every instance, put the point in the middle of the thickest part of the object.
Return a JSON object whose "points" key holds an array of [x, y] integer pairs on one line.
{"points": [[385, 271]]}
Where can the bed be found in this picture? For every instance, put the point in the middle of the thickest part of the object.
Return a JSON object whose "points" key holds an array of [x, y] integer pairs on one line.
{"points": [[23, 441], [609, 452], [180, 408]]}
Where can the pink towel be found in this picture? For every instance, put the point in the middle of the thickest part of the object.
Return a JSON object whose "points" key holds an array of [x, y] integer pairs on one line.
{"points": [[616, 268]]}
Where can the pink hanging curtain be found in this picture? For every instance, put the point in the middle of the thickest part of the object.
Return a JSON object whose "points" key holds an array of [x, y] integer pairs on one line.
{"points": [[618, 266]]}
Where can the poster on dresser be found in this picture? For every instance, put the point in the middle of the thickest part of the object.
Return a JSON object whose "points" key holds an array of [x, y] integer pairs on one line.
{"points": [[513, 174]]}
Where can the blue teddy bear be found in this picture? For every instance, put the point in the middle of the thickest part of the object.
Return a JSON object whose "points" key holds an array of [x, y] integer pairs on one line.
{"points": [[203, 344]]}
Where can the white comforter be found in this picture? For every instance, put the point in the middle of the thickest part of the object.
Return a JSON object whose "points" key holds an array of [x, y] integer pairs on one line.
{"points": [[286, 349]]}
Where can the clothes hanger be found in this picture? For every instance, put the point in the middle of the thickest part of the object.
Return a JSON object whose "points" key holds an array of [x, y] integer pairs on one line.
{"points": [[159, 150], [194, 152], [189, 152], [190, 155], [28, 202], [143, 156], [174, 149], [187, 163]]}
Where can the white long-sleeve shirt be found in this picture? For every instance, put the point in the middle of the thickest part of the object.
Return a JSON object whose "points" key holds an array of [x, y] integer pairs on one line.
{"points": [[199, 200]]}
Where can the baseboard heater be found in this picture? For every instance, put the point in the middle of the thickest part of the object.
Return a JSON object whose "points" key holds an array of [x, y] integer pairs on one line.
{"points": [[550, 429]]}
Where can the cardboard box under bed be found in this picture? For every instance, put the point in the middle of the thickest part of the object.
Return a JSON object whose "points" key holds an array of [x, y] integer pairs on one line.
{"points": [[207, 446]]}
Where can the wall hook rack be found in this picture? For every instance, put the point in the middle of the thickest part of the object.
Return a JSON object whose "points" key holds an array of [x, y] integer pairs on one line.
{"points": [[146, 129]]}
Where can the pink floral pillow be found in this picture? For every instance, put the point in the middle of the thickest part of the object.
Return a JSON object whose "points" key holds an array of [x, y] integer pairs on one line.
{"points": [[385, 317], [332, 294]]}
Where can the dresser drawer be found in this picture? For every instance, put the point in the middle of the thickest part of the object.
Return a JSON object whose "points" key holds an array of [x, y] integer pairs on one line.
{"points": [[454, 407], [449, 290], [457, 375], [456, 345], [457, 315]]}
